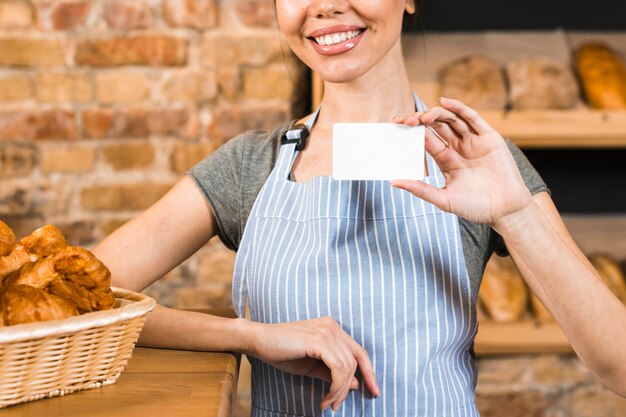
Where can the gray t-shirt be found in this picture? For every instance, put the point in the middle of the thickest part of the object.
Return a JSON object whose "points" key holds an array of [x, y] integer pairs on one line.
{"points": [[232, 177]]}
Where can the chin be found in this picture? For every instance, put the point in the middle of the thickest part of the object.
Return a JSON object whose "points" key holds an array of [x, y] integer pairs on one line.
{"points": [[340, 74]]}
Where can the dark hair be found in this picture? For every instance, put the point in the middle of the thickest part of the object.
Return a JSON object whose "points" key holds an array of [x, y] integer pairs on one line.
{"points": [[413, 22]]}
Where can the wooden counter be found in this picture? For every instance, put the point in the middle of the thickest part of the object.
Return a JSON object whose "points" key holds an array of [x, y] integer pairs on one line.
{"points": [[156, 382]]}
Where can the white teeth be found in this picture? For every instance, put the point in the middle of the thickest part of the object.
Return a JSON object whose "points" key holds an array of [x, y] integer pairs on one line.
{"points": [[336, 38]]}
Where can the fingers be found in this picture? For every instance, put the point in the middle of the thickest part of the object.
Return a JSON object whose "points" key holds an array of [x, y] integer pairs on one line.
{"points": [[342, 372], [435, 142], [445, 122], [454, 117], [471, 116], [343, 355]]}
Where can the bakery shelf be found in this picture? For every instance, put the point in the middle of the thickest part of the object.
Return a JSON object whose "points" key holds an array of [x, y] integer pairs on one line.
{"points": [[520, 337], [581, 127]]}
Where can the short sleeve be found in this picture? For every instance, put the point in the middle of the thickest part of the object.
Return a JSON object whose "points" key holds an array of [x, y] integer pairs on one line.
{"points": [[219, 178], [534, 183]]}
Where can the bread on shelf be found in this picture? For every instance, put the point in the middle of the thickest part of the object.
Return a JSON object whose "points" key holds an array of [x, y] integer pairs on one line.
{"points": [[540, 312], [602, 74], [476, 80], [537, 83], [503, 292], [611, 274]]}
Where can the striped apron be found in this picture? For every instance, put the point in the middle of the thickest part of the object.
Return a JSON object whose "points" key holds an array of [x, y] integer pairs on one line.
{"points": [[387, 266]]}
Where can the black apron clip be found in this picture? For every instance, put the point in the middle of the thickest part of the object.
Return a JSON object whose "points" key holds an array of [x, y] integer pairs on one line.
{"points": [[298, 135]]}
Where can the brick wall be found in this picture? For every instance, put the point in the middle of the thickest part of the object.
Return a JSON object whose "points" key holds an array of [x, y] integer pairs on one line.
{"points": [[104, 104]]}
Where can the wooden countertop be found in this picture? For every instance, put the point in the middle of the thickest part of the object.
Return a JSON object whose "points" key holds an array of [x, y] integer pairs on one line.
{"points": [[156, 382]]}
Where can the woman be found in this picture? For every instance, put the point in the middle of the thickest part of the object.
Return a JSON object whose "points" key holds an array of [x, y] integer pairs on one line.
{"points": [[362, 294]]}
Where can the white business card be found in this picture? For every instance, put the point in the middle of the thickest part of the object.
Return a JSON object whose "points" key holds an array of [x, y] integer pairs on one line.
{"points": [[378, 151]]}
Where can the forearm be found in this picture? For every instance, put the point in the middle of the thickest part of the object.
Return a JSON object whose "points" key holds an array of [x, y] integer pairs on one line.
{"points": [[179, 329], [593, 319]]}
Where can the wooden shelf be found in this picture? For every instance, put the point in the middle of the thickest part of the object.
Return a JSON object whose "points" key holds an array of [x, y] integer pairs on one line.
{"points": [[520, 337], [580, 128]]}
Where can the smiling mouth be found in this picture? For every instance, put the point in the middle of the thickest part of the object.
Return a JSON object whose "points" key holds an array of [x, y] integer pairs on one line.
{"points": [[337, 37]]}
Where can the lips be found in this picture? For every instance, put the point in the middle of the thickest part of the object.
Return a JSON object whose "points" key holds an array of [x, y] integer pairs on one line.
{"points": [[336, 39]]}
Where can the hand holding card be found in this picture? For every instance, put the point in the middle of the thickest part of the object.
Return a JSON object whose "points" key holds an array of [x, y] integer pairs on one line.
{"points": [[378, 151]]}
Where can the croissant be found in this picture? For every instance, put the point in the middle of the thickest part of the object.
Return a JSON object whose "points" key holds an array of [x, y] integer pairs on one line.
{"points": [[41, 243], [23, 304], [44, 241], [7, 239], [73, 274]]}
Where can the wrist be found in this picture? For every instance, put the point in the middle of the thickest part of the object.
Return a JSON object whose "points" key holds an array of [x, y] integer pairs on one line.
{"points": [[246, 336], [515, 222]]}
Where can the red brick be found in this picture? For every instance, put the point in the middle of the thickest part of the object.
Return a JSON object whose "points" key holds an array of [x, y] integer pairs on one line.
{"points": [[60, 87], [15, 88], [78, 233], [139, 122], [37, 124], [257, 13], [213, 295], [16, 159], [31, 52], [257, 49], [122, 86], [127, 14], [22, 226], [15, 200], [273, 81], [229, 121], [197, 14], [129, 155], [16, 14], [69, 15], [67, 159], [192, 86], [121, 197], [109, 226], [185, 155], [133, 50], [229, 81], [215, 265], [26, 198]]}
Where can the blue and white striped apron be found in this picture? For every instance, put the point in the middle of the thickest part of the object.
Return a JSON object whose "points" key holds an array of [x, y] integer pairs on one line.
{"points": [[387, 266]]}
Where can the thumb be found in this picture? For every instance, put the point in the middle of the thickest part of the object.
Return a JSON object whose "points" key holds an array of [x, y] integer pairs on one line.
{"points": [[427, 192]]}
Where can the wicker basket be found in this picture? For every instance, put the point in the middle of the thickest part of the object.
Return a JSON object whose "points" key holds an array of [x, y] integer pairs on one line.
{"points": [[57, 357]]}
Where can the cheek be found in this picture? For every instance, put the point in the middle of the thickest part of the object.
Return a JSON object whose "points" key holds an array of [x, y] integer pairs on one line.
{"points": [[290, 15]]}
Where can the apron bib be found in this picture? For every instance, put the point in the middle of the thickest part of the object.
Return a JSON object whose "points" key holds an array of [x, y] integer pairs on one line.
{"points": [[386, 265]]}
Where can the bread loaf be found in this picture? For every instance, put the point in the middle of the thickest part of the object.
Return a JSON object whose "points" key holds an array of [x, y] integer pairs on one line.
{"points": [[541, 83], [540, 312], [611, 274], [503, 291], [476, 80], [602, 75]]}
